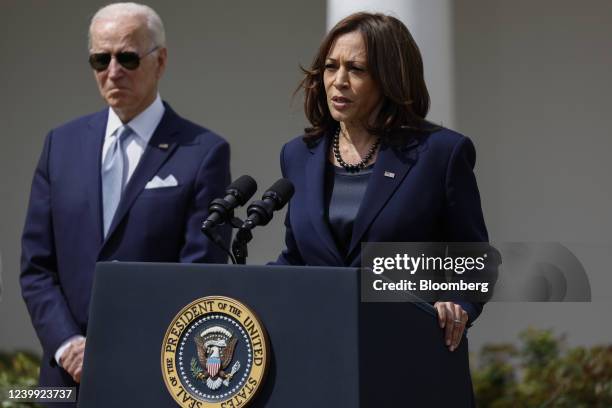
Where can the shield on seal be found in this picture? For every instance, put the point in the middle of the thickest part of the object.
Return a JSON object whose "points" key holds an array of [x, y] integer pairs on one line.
{"points": [[212, 365]]}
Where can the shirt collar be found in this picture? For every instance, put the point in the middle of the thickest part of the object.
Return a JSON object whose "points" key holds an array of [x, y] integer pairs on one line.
{"points": [[143, 124]]}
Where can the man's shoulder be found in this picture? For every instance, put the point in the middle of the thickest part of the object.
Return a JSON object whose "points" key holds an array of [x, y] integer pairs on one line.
{"points": [[82, 122], [191, 131], [201, 133]]}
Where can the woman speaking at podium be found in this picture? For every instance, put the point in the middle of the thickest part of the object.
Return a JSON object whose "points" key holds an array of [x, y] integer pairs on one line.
{"points": [[370, 168]]}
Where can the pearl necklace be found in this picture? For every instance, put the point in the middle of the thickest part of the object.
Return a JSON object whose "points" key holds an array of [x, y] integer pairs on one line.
{"points": [[353, 167]]}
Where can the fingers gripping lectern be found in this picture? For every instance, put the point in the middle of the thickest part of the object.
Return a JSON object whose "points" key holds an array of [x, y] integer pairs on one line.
{"points": [[168, 335]]}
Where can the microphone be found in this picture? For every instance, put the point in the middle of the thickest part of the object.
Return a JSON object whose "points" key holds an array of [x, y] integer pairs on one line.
{"points": [[260, 212], [236, 194]]}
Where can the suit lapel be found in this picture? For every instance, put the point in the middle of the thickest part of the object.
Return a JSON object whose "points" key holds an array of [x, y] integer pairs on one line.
{"points": [[91, 153], [150, 162], [315, 184], [390, 169]]}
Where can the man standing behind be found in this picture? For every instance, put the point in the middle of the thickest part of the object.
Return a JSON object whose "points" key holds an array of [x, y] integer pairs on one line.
{"points": [[129, 183]]}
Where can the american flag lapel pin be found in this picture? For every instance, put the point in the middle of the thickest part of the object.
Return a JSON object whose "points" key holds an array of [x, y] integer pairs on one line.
{"points": [[389, 174]]}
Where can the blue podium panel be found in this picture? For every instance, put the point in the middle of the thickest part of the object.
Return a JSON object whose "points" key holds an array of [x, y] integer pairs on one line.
{"points": [[310, 315], [404, 361]]}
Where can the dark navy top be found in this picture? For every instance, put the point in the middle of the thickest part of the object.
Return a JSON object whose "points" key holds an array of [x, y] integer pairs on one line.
{"points": [[344, 192]]}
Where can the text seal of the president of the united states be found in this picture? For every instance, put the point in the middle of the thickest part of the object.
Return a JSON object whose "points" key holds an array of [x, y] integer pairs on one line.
{"points": [[215, 354]]}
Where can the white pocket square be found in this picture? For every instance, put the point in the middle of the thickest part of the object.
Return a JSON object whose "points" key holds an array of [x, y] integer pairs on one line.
{"points": [[157, 182]]}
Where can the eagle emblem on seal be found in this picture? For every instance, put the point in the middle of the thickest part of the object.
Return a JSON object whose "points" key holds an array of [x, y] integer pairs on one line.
{"points": [[215, 348]]}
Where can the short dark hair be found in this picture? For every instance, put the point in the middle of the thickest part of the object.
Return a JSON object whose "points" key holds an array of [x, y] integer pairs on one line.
{"points": [[394, 62]]}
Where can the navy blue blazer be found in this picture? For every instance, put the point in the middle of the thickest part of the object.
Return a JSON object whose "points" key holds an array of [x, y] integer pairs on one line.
{"points": [[63, 234], [433, 197]]}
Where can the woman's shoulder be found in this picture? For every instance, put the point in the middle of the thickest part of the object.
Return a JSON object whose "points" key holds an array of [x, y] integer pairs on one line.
{"points": [[437, 140], [437, 143], [295, 153], [302, 142], [295, 142], [300, 145], [448, 146], [445, 138]]}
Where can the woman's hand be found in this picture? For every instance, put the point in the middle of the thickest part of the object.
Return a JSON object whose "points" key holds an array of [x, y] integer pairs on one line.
{"points": [[453, 319]]}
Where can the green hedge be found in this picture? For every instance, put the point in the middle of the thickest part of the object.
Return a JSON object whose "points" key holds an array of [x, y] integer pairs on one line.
{"points": [[18, 370], [543, 372]]}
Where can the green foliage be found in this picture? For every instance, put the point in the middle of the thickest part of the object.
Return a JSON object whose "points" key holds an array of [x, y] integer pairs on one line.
{"points": [[542, 372], [18, 370]]}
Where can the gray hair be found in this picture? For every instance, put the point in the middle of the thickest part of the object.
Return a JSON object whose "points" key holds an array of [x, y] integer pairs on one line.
{"points": [[157, 34]]}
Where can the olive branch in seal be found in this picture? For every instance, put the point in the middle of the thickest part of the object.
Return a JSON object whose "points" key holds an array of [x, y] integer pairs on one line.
{"points": [[196, 370]]}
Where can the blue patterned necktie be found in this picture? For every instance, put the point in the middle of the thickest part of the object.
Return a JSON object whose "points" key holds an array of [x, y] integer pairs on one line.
{"points": [[113, 176]]}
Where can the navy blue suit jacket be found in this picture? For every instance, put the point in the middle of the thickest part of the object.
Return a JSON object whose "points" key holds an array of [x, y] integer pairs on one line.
{"points": [[63, 239], [433, 197]]}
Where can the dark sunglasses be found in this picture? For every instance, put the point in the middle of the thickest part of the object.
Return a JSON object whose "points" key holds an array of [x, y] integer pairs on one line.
{"points": [[127, 59]]}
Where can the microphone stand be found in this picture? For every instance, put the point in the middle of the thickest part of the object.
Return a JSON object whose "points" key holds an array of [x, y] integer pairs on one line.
{"points": [[241, 240], [244, 235], [213, 235]]}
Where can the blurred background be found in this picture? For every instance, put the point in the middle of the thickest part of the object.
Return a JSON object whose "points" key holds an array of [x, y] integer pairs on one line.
{"points": [[529, 82]]}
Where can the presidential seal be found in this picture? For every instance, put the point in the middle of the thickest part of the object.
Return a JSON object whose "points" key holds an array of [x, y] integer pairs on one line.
{"points": [[214, 354]]}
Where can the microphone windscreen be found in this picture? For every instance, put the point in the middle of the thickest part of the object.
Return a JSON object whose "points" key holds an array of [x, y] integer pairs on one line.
{"points": [[284, 190], [243, 188]]}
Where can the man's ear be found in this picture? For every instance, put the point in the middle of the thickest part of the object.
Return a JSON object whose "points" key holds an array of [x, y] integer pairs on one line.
{"points": [[162, 59]]}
